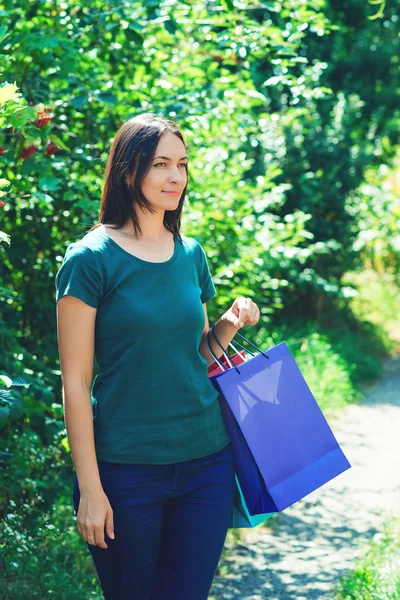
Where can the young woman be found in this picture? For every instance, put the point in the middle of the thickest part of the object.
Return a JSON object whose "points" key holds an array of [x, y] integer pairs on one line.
{"points": [[153, 492]]}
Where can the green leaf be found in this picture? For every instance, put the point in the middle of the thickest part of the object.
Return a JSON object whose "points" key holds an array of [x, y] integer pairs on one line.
{"points": [[270, 7], [4, 412], [133, 35], [79, 102], [21, 116], [257, 95], [135, 25], [229, 5], [59, 142], [3, 34], [5, 380], [49, 184], [107, 98], [21, 381], [6, 456], [171, 25], [45, 198], [4, 237]]}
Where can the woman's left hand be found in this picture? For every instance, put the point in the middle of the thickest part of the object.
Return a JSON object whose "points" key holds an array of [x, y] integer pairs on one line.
{"points": [[243, 312]]}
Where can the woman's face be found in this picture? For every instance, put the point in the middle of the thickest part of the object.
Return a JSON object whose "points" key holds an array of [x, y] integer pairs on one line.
{"points": [[167, 173]]}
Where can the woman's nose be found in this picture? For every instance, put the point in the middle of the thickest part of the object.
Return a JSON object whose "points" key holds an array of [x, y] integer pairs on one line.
{"points": [[177, 175]]}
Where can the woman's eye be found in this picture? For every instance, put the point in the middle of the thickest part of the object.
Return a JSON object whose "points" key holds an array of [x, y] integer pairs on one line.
{"points": [[163, 163]]}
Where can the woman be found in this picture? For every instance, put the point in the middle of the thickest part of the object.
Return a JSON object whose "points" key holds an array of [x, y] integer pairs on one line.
{"points": [[154, 484]]}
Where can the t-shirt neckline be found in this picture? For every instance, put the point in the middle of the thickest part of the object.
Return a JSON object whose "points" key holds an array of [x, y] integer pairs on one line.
{"points": [[141, 260]]}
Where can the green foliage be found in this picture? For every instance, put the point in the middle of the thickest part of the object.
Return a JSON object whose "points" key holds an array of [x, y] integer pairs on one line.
{"points": [[377, 205], [47, 561], [377, 576], [378, 300]]}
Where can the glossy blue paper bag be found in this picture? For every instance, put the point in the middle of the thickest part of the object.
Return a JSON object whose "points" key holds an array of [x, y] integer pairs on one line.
{"points": [[282, 445], [240, 514]]}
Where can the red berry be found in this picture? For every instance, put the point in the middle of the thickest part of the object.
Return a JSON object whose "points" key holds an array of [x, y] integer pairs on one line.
{"points": [[52, 149], [1, 203], [2, 150], [27, 152], [42, 120]]}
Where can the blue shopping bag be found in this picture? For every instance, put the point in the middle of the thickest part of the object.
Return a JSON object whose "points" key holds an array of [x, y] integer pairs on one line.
{"points": [[283, 447], [240, 514]]}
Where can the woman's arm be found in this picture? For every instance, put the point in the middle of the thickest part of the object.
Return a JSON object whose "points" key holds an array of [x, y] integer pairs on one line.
{"points": [[224, 330], [242, 312], [75, 328]]}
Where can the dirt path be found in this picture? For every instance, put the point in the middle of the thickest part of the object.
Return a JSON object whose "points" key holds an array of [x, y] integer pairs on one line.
{"points": [[316, 541]]}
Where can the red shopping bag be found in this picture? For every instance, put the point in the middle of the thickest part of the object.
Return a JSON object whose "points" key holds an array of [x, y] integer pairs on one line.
{"points": [[237, 359]]}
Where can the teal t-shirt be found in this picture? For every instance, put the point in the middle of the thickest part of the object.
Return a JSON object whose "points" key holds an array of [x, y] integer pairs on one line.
{"points": [[152, 400]]}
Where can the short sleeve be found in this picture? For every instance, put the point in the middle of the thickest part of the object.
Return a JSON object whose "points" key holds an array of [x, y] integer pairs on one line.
{"points": [[79, 275], [207, 285]]}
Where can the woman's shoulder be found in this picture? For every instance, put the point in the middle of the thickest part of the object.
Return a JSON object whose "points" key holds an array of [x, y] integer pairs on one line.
{"points": [[191, 243], [89, 243], [87, 249]]}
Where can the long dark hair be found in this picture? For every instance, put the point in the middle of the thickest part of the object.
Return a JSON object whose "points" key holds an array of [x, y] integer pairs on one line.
{"points": [[132, 153]]}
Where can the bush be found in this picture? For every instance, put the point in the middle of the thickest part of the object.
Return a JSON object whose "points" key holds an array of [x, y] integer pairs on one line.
{"points": [[377, 576]]}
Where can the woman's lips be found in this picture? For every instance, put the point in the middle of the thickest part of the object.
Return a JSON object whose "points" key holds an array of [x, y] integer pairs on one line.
{"points": [[172, 193]]}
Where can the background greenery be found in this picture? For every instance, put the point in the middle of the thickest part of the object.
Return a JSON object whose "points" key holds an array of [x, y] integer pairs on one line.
{"points": [[377, 575], [291, 116]]}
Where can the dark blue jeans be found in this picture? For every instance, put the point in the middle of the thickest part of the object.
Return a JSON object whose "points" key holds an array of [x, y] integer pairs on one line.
{"points": [[170, 524]]}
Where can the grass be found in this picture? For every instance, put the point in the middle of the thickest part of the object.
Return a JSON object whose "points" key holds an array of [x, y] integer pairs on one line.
{"points": [[377, 575]]}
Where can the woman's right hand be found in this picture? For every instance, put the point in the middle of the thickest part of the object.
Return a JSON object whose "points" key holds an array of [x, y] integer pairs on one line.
{"points": [[94, 516]]}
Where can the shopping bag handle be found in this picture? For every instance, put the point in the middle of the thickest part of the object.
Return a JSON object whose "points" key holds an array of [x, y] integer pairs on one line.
{"points": [[231, 344], [248, 341], [234, 343], [225, 354], [237, 343]]}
